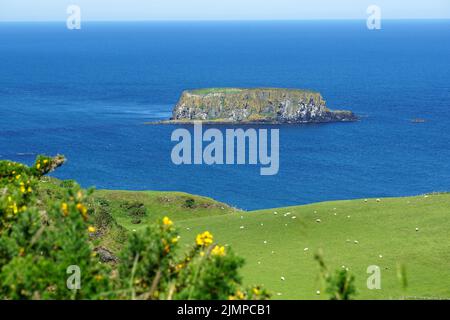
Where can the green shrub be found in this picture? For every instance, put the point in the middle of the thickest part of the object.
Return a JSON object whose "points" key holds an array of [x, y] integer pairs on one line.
{"points": [[134, 209], [340, 285], [189, 203], [68, 184], [41, 240]]}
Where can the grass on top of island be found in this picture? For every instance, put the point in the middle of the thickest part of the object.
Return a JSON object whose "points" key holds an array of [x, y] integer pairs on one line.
{"points": [[214, 90], [205, 91]]}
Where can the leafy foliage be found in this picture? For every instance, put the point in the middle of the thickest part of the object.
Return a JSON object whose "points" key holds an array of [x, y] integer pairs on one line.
{"points": [[340, 284], [40, 239]]}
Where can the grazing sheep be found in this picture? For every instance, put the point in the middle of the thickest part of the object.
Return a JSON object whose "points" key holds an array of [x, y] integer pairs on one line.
{"points": [[283, 278], [318, 220]]}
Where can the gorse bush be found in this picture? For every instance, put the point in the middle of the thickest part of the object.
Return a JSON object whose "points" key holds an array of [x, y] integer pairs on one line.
{"points": [[340, 285], [38, 244], [42, 242]]}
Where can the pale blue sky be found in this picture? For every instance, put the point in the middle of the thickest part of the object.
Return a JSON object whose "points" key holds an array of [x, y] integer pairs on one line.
{"points": [[51, 10]]}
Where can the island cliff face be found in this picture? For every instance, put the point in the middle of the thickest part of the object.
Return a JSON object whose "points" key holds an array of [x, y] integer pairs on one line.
{"points": [[231, 105]]}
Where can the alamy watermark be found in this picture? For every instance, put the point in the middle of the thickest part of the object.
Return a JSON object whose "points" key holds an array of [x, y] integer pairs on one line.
{"points": [[74, 280], [374, 20], [73, 21], [237, 146], [374, 280]]}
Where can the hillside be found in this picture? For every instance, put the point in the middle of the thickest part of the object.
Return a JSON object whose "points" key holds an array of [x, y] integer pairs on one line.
{"points": [[389, 232], [385, 232], [259, 105]]}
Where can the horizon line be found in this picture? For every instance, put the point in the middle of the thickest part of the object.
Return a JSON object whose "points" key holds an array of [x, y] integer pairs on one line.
{"points": [[227, 20]]}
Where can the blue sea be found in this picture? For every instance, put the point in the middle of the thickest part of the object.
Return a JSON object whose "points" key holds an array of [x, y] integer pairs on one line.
{"points": [[87, 94]]}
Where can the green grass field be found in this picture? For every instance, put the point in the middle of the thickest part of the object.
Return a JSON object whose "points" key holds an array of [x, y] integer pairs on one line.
{"points": [[413, 232], [386, 228]]}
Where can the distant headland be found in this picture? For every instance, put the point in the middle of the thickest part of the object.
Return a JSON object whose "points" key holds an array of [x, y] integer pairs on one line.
{"points": [[254, 106]]}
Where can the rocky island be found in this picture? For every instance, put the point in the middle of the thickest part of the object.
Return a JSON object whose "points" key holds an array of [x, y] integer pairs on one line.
{"points": [[271, 105]]}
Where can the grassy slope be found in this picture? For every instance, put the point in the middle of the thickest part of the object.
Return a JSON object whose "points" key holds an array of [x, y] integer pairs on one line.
{"points": [[160, 204], [384, 228]]}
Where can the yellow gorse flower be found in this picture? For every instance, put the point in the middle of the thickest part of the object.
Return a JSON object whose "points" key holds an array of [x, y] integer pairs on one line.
{"points": [[91, 229], [179, 266], [204, 239], [14, 207], [65, 208], [98, 277], [167, 222], [82, 209], [218, 251]]}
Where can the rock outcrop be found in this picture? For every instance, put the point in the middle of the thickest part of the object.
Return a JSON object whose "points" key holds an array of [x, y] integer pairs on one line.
{"points": [[233, 105]]}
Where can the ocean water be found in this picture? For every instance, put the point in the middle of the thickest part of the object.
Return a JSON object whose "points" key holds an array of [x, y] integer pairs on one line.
{"points": [[86, 94]]}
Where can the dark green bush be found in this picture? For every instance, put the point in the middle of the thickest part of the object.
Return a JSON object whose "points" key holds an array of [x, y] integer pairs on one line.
{"points": [[42, 238]]}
